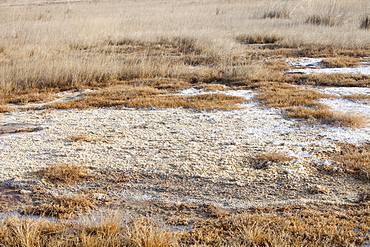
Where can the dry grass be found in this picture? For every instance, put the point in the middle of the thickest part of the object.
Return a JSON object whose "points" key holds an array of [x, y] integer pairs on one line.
{"points": [[284, 226], [327, 116], [65, 173], [61, 207], [46, 47], [284, 95], [334, 80], [323, 19], [304, 229], [302, 103], [363, 98], [149, 97], [340, 62], [355, 158]]}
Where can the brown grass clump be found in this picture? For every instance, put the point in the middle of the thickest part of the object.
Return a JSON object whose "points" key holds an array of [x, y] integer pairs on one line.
{"points": [[336, 80], [355, 158], [340, 62], [148, 97], [284, 95], [61, 207], [65, 173], [4, 109], [327, 116]]}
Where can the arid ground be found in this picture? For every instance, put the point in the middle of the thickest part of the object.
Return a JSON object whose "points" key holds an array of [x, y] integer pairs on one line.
{"points": [[185, 123]]}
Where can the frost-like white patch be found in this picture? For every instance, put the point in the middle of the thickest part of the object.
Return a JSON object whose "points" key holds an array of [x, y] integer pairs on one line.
{"points": [[61, 97], [354, 71], [347, 106], [247, 94], [305, 62], [313, 65], [340, 91], [191, 92]]}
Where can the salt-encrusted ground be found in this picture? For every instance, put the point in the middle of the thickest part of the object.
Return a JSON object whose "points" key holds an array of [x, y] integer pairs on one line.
{"points": [[181, 155]]}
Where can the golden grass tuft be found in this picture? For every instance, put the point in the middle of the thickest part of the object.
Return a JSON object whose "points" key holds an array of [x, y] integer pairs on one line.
{"points": [[61, 207], [65, 173], [284, 95], [340, 62], [327, 116]]}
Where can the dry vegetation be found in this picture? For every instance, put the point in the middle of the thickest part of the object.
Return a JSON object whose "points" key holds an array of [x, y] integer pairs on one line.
{"points": [[61, 206], [302, 103], [281, 226], [65, 173], [148, 97], [340, 62], [140, 54], [355, 158], [266, 159]]}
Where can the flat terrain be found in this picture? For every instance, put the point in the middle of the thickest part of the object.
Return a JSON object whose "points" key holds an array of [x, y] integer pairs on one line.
{"points": [[185, 123]]}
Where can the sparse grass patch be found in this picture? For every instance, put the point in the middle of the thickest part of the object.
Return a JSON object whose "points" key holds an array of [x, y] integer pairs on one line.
{"points": [[148, 97], [61, 207], [4, 109], [355, 158], [266, 159], [284, 95], [340, 62], [363, 98], [326, 115], [65, 173], [302, 103]]}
